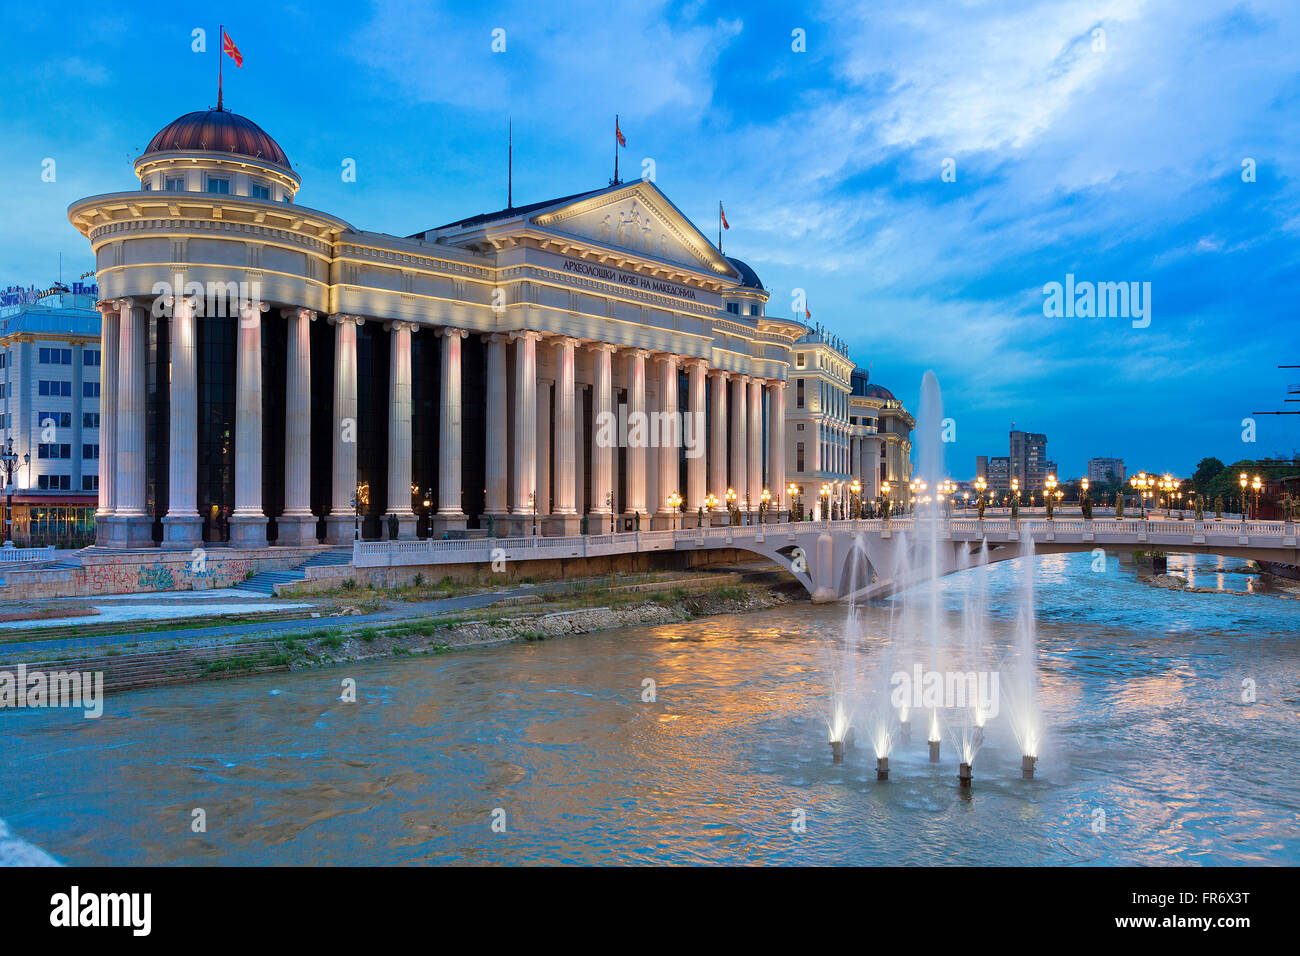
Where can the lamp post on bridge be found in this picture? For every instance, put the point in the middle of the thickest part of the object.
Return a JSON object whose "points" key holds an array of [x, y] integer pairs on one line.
{"points": [[826, 501], [793, 491], [855, 488]]}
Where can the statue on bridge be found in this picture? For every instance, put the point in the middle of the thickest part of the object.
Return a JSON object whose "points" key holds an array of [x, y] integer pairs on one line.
{"points": [[1218, 507], [980, 508], [1015, 507], [1119, 505], [1085, 505], [1200, 508]]}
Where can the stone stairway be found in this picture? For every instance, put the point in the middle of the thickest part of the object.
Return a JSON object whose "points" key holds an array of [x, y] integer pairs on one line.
{"points": [[265, 583]]}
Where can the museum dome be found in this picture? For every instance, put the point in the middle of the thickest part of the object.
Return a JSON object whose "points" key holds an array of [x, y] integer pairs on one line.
{"points": [[218, 131], [748, 277]]}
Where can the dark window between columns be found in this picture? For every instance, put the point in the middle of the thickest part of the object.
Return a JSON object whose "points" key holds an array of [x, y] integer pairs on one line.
{"points": [[473, 428], [426, 391], [372, 425], [322, 417], [216, 439], [275, 371], [158, 421]]}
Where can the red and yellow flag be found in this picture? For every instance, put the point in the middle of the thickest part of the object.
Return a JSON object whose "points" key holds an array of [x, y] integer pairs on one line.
{"points": [[618, 133], [229, 49], [723, 214]]}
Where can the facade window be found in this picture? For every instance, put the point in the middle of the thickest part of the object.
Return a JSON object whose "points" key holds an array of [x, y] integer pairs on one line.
{"points": [[798, 457], [259, 191], [218, 184], [90, 482], [53, 450], [147, 185], [60, 419], [90, 419], [798, 393], [88, 389], [4, 389], [753, 310], [55, 356], [733, 308], [175, 184], [53, 389], [89, 451], [90, 357], [54, 482]]}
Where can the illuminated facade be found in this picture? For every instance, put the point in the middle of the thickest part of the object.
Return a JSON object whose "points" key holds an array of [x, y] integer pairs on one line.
{"points": [[272, 373]]}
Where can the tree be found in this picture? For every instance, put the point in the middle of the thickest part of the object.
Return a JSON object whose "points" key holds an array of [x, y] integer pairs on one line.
{"points": [[1206, 471]]}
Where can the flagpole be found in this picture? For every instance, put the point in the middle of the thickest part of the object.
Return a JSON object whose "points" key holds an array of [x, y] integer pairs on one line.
{"points": [[221, 42], [719, 225], [615, 149]]}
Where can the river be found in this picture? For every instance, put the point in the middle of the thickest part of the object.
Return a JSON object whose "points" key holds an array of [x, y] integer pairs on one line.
{"points": [[553, 743]]}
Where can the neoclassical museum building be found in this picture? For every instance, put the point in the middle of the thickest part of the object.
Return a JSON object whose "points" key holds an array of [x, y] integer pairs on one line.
{"points": [[272, 374]]}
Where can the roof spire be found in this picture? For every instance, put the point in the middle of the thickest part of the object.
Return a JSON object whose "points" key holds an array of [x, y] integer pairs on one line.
{"points": [[510, 164]]}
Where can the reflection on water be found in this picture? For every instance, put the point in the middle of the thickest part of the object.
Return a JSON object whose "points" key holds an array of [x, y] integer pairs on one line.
{"points": [[1140, 690]]}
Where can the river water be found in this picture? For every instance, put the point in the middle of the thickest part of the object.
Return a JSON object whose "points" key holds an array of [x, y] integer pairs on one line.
{"points": [[1141, 689]]}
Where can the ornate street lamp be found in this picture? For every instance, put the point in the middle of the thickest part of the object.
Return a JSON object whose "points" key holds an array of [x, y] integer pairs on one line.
{"points": [[888, 502], [1049, 490], [765, 501], [711, 505], [609, 506], [675, 506], [855, 488], [9, 461], [793, 491], [980, 485], [1256, 485], [826, 500]]}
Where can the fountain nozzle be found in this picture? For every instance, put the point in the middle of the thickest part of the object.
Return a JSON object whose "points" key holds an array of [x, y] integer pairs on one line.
{"points": [[882, 768], [1027, 767], [934, 751], [837, 751], [963, 774]]}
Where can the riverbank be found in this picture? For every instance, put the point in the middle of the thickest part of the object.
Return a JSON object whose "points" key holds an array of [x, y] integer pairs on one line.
{"points": [[324, 643]]}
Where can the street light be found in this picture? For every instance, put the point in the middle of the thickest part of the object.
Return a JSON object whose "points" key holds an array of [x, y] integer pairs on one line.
{"points": [[765, 500], [855, 487], [1015, 489], [826, 500], [675, 506], [793, 491], [1256, 485], [1083, 489], [9, 460], [884, 493], [711, 505], [1049, 491], [980, 485], [609, 506]]}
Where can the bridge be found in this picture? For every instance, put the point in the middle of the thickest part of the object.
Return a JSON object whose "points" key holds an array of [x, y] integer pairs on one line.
{"points": [[834, 560]]}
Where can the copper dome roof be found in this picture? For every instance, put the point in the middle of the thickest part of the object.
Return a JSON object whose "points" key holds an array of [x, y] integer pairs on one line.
{"points": [[218, 131]]}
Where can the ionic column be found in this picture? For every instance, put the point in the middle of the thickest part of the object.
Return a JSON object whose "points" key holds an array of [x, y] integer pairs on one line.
{"points": [[669, 441], [109, 334], [718, 440], [296, 525], [693, 431], [776, 442], [604, 433], [182, 526], [871, 468], [451, 513], [755, 453], [495, 464], [739, 478], [565, 519], [130, 525], [525, 458], [399, 429], [636, 449], [248, 521], [340, 524]]}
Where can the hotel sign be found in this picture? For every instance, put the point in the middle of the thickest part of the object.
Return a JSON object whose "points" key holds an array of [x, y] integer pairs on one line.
{"points": [[646, 283]]}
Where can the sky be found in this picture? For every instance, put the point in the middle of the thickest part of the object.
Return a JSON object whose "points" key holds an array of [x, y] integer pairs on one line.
{"points": [[922, 170]]}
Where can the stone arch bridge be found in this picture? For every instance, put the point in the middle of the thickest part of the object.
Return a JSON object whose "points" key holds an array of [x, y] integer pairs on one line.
{"points": [[838, 559]]}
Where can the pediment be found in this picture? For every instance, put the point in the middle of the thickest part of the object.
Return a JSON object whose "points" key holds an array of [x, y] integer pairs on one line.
{"points": [[641, 220]]}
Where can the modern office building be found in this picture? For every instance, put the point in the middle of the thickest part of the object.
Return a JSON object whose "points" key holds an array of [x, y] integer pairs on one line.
{"points": [[999, 476], [1029, 464], [49, 413], [1106, 471], [273, 373]]}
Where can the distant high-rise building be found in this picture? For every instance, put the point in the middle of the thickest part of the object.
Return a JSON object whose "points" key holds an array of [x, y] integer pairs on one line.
{"points": [[1106, 471], [982, 466], [999, 477], [1029, 459]]}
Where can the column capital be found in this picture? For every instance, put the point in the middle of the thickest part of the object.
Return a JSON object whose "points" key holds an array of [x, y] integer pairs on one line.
{"points": [[720, 374], [669, 358], [696, 363], [295, 312], [106, 306], [446, 331], [641, 354], [343, 318], [779, 383], [496, 338], [524, 335], [566, 341], [254, 305], [400, 325], [600, 347]]}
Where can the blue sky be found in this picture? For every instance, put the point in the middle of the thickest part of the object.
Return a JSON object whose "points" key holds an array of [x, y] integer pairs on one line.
{"points": [[1114, 164]]}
